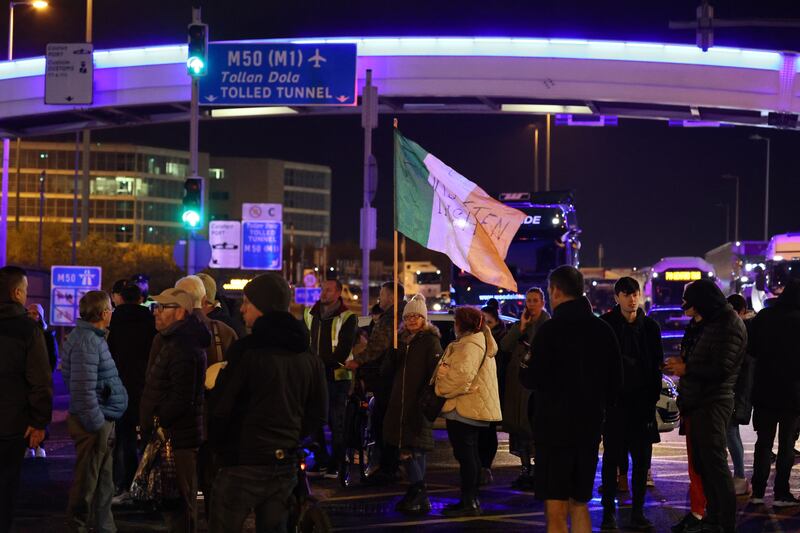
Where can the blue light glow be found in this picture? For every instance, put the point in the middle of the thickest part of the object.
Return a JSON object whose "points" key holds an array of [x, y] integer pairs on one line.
{"points": [[451, 46]]}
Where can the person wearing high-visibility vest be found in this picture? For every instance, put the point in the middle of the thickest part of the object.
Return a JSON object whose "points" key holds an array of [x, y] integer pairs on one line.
{"points": [[332, 327]]}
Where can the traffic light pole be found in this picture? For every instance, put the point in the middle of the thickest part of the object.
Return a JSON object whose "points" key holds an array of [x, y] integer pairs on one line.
{"points": [[194, 141]]}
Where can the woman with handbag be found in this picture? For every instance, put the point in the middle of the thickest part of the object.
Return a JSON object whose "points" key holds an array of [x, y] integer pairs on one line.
{"points": [[405, 426], [467, 378]]}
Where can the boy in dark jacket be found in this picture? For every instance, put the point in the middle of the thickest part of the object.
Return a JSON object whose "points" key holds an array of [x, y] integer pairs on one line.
{"points": [[575, 371], [708, 376], [630, 425], [173, 392], [774, 345], [271, 394]]}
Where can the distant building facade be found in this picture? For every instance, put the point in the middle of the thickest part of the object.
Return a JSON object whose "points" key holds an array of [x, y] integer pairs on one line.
{"points": [[303, 189], [136, 191]]}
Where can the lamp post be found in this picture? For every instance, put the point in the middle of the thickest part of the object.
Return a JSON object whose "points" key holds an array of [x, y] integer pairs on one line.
{"points": [[38, 4], [735, 207], [535, 128], [757, 137], [727, 220]]}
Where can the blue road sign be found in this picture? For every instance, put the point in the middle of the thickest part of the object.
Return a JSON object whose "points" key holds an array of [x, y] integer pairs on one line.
{"points": [[68, 284], [253, 74], [262, 245], [307, 295]]}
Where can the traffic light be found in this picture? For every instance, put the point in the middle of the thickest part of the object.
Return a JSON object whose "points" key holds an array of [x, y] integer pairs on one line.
{"points": [[192, 216], [197, 60]]}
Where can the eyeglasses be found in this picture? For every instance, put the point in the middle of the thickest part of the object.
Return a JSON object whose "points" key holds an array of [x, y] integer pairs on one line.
{"points": [[413, 317], [161, 307]]}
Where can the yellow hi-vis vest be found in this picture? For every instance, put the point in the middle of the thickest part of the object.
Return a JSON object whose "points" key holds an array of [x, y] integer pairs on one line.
{"points": [[341, 373]]}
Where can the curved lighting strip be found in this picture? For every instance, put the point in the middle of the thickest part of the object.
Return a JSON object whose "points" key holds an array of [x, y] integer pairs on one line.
{"points": [[451, 46]]}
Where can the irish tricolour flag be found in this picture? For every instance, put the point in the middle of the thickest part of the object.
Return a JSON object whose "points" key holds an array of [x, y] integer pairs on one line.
{"points": [[444, 211]]}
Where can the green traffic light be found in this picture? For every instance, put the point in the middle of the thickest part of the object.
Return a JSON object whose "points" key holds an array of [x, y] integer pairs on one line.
{"points": [[196, 65], [191, 219]]}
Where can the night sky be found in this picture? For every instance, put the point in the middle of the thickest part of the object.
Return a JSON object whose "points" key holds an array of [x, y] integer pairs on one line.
{"points": [[643, 190]]}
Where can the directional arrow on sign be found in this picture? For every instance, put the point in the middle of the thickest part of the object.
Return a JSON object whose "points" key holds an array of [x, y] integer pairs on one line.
{"points": [[211, 97], [343, 98]]}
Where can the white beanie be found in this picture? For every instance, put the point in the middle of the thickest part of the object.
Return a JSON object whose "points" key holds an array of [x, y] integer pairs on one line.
{"points": [[416, 306]]}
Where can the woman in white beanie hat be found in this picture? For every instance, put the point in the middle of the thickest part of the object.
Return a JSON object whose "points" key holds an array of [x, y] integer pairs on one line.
{"points": [[411, 367]]}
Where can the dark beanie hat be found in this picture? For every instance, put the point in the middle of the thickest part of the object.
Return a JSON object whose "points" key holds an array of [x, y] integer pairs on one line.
{"points": [[790, 296], [269, 292], [705, 297]]}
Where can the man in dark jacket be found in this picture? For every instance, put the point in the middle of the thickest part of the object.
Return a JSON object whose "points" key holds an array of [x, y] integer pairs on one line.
{"points": [[630, 426], [173, 392], [131, 334], [705, 396], [774, 343], [575, 372], [333, 327], [26, 401], [270, 395]]}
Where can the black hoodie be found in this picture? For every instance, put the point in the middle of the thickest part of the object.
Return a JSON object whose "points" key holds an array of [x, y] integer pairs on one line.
{"points": [[272, 393], [775, 343]]}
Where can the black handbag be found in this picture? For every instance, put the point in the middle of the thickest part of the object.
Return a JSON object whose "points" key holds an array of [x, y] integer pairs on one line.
{"points": [[156, 478], [430, 403]]}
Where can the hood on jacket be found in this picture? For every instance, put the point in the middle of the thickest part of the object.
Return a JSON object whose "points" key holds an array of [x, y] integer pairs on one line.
{"points": [[12, 310], [277, 329], [790, 297], [489, 342], [191, 331], [616, 316], [705, 297], [428, 328]]}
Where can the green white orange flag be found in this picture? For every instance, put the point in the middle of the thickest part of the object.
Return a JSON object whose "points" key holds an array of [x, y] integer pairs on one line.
{"points": [[444, 211]]}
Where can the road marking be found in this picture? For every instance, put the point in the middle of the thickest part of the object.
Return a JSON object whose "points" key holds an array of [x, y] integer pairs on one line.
{"points": [[485, 518]]}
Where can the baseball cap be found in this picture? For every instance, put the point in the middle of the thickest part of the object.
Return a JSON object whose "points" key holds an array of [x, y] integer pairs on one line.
{"points": [[175, 296]]}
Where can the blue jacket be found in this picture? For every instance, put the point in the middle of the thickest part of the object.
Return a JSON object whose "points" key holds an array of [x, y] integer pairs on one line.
{"points": [[96, 393]]}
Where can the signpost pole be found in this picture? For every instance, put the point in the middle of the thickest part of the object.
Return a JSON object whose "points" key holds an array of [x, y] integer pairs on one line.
{"points": [[369, 106], [194, 125]]}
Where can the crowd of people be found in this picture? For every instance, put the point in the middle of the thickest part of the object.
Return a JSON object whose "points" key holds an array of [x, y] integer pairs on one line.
{"points": [[236, 399]]}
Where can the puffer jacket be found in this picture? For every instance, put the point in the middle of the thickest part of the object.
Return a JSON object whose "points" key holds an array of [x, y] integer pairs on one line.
{"points": [[712, 365], [174, 387], [96, 392], [470, 388], [410, 368], [517, 400]]}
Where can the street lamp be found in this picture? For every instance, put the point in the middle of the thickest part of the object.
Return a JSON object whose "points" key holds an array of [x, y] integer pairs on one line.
{"points": [[36, 4], [758, 137], [736, 206]]}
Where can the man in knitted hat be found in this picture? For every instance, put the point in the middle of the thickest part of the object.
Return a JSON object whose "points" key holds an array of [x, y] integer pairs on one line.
{"points": [[711, 356], [271, 394], [333, 328]]}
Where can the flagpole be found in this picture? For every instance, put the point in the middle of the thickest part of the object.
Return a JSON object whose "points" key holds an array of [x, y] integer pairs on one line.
{"points": [[395, 274]]}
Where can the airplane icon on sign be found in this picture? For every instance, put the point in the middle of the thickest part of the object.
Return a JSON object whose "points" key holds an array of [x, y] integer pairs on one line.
{"points": [[316, 58]]}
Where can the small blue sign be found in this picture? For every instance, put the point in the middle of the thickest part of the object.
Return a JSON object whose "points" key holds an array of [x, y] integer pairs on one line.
{"points": [[68, 284], [259, 74], [307, 295], [262, 245]]}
